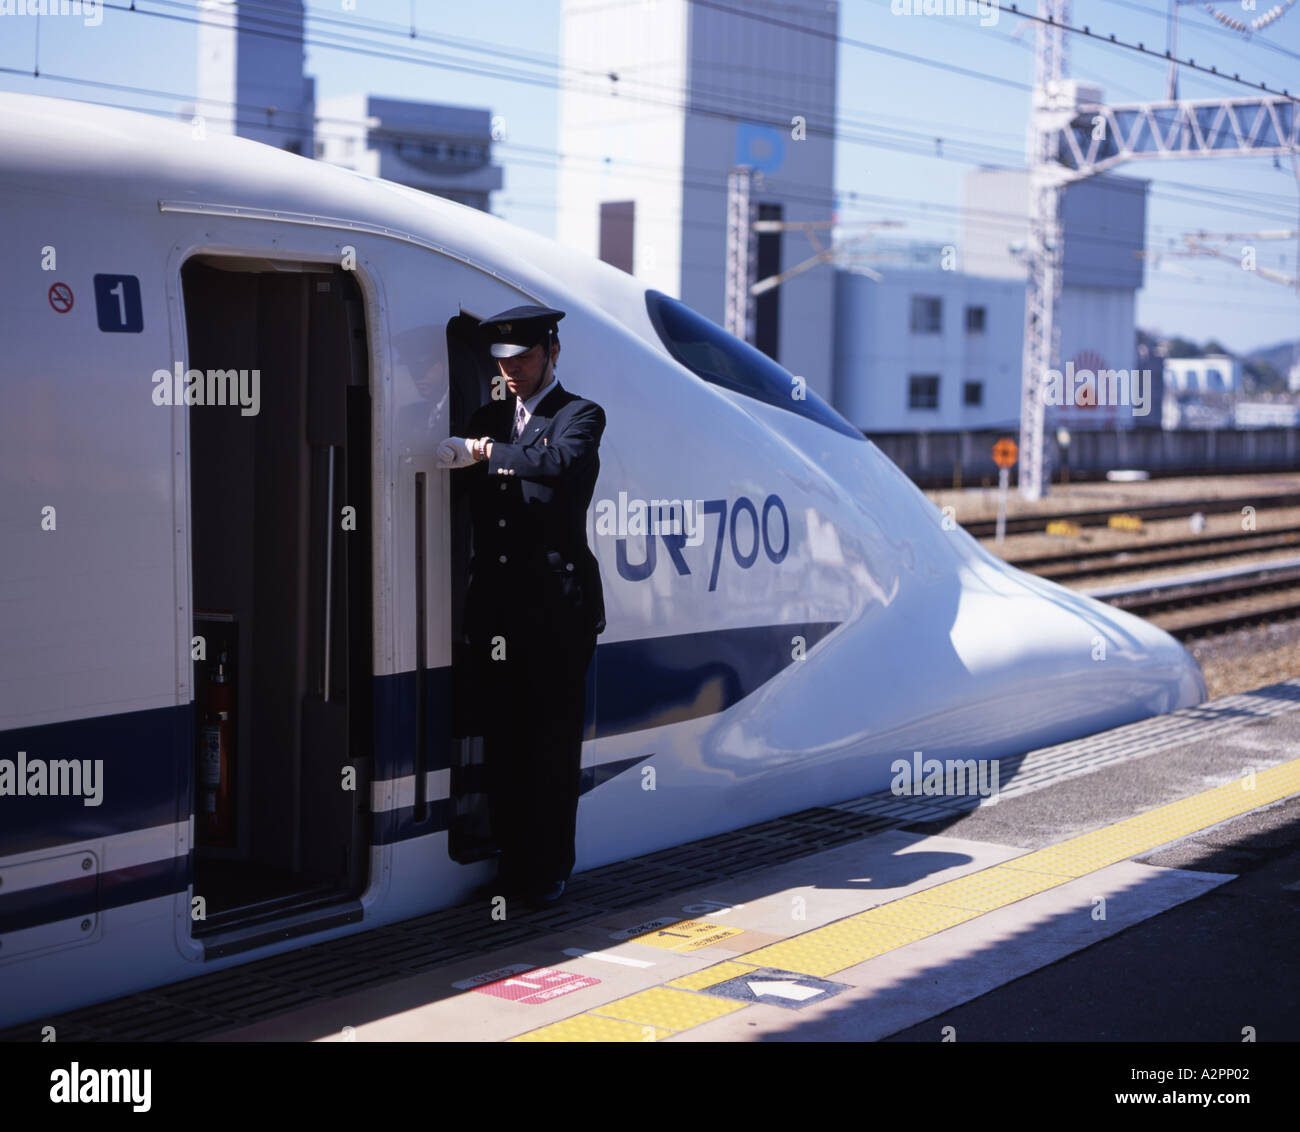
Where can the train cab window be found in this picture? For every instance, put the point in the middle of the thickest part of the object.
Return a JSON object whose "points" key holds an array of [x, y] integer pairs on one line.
{"points": [[712, 354]]}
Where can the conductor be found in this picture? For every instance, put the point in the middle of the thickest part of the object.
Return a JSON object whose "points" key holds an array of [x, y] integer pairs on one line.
{"points": [[535, 604]]}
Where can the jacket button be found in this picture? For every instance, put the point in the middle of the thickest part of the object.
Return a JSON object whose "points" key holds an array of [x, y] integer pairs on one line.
{"points": [[503, 487], [503, 558], [501, 522], [568, 565]]}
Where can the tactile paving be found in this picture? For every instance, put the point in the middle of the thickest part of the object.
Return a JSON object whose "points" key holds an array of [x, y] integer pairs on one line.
{"points": [[988, 889], [917, 915], [666, 1008], [588, 1028], [823, 951], [711, 976]]}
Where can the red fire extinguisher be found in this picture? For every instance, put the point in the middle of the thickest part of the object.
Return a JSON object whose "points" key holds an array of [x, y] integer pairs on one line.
{"points": [[214, 797]]}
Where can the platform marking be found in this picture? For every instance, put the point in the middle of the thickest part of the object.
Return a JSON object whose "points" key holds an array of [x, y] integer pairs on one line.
{"points": [[846, 943], [679, 935], [787, 989], [607, 957], [537, 986]]}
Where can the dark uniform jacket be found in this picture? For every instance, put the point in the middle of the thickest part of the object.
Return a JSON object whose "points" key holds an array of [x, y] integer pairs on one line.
{"points": [[529, 505]]}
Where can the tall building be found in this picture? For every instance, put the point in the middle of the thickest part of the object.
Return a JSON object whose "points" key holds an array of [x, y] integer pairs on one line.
{"points": [[662, 99], [251, 83], [445, 150], [250, 76], [1104, 220]]}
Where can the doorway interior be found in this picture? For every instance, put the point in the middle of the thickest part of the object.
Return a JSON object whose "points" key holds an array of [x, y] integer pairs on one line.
{"points": [[280, 526]]}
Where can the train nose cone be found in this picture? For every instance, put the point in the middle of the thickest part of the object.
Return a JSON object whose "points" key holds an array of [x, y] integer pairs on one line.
{"points": [[976, 661], [1079, 665]]}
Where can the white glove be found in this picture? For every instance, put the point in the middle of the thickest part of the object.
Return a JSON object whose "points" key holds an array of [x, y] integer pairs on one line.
{"points": [[454, 452]]}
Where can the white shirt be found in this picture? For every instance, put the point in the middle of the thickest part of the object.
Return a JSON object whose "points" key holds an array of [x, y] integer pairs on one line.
{"points": [[531, 404]]}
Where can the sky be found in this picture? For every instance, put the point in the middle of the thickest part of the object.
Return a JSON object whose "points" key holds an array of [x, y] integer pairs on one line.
{"points": [[903, 82]]}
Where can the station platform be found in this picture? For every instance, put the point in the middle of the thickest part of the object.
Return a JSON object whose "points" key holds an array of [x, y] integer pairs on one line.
{"points": [[1136, 884], [885, 932]]}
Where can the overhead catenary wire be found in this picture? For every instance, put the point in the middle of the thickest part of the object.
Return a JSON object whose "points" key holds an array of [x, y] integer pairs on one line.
{"points": [[923, 145], [1014, 10], [760, 114], [924, 142], [1007, 220], [853, 199]]}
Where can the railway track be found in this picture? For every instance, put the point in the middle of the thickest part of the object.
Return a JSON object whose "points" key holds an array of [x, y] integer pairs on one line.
{"points": [[1175, 552], [1031, 524], [1213, 603]]}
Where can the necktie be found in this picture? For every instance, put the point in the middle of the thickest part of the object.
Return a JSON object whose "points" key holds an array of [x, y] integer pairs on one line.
{"points": [[518, 430]]}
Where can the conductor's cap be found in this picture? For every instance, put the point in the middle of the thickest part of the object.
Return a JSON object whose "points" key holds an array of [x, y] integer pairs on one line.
{"points": [[519, 329]]}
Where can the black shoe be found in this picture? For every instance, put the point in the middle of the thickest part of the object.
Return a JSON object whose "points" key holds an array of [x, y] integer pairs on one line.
{"points": [[544, 895]]}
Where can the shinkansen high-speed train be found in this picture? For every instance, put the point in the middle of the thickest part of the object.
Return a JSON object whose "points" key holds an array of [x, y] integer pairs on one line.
{"points": [[230, 685]]}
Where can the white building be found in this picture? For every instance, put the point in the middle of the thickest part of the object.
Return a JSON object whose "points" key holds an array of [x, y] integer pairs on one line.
{"points": [[250, 74], [441, 149], [650, 131], [927, 349], [1265, 414], [1214, 373], [938, 343]]}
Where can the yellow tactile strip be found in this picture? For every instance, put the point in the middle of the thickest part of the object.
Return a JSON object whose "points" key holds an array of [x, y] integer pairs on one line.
{"points": [[924, 918], [844, 943], [590, 1028], [712, 976], [652, 1014]]}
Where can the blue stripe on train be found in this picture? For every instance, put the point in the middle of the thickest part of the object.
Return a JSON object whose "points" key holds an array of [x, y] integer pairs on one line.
{"points": [[143, 784], [642, 684], [89, 895], [631, 686]]}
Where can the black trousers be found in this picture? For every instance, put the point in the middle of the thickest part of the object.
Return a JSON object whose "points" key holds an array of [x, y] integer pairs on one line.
{"points": [[532, 703]]}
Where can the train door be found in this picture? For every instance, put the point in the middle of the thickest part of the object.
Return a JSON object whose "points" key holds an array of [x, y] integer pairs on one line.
{"points": [[470, 373], [280, 460]]}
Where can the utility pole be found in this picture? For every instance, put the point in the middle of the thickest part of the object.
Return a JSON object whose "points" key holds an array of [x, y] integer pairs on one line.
{"points": [[742, 282], [742, 253], [1052, 109], [1073, 136]]}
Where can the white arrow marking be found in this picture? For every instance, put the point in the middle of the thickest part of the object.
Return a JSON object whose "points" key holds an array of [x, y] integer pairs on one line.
{"points": [[606, 957], [785, 989]]}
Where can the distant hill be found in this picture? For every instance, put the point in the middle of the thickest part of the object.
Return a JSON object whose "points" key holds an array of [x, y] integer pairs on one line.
{"points": [[1263, 370], [1280, 357]]}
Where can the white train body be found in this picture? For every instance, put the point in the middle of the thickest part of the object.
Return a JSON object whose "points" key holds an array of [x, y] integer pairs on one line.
{"points": [[781, 658]]}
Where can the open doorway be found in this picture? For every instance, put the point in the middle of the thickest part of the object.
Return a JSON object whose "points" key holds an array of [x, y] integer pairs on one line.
{"points": [[280, 506]]}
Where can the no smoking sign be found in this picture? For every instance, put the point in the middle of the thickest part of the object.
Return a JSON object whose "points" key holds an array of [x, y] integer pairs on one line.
{"points": [[61, 298]]}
